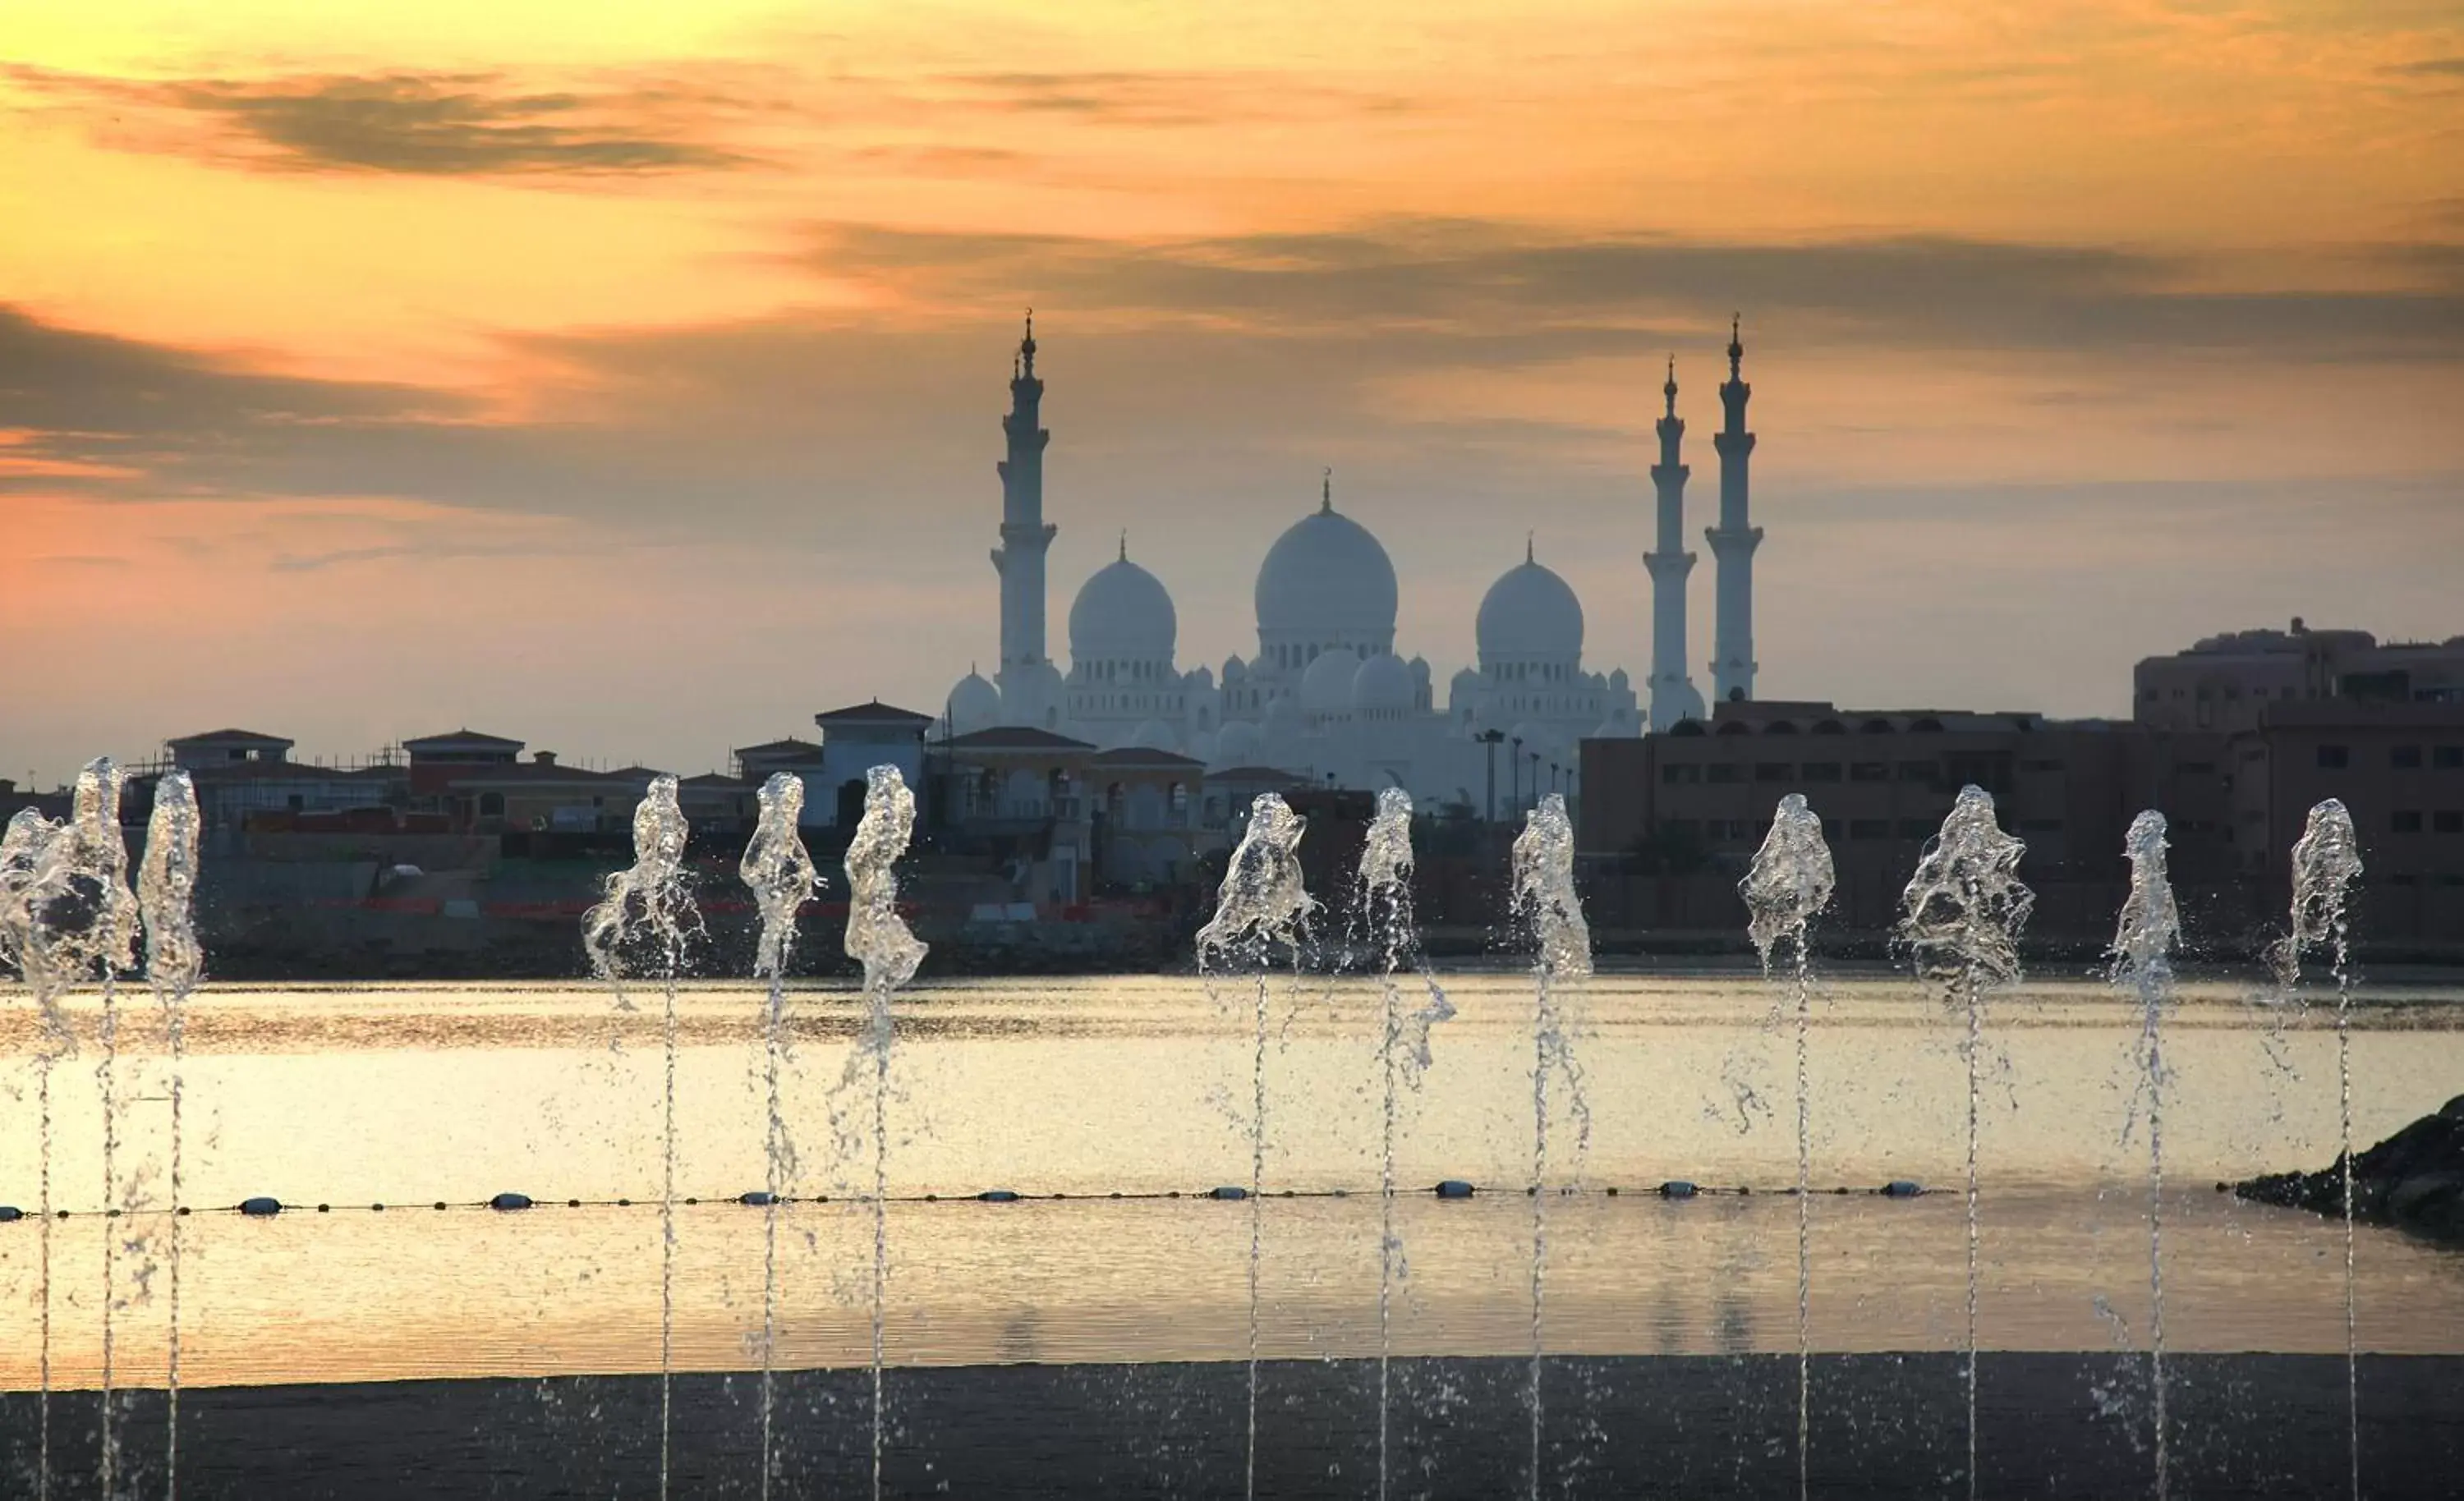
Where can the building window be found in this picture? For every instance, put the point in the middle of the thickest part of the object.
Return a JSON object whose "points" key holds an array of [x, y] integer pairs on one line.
{"points": [[1771, 771], [491, 805], [2040, 765], [2405, 821], [1917, 770], [1726, 771], [2448, 820], [2448, 758], [1869, 827], [1679, 772], [2405, 758], [1915, 829], [1822, 771], [1869, 771], [2335, 758]]}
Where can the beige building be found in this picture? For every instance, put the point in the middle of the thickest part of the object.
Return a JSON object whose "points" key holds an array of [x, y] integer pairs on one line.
{"points": [[2224, 683]]}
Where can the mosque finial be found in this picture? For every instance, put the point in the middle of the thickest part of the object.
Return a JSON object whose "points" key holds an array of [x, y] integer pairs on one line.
{"points": [[1125, 544], [1670, 389], [1526, 548], [1326, 491], [1026, 345], [1736, 344]]}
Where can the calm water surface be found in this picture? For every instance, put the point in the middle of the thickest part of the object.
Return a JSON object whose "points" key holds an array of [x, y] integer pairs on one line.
{"points": [[409, 1095]]}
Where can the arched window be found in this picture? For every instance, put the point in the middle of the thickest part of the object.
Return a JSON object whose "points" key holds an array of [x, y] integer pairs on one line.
{"points": [[491, 805]]}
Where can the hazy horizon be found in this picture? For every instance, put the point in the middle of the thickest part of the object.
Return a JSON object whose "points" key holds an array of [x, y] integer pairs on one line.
{"points": [[628, 381]]}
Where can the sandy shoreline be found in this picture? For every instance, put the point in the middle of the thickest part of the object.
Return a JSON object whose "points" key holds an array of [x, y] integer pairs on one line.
{"points": [[1883, 1425]]}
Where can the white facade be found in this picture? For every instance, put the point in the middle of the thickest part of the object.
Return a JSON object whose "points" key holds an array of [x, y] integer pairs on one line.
{"points": [[1326, 696]]}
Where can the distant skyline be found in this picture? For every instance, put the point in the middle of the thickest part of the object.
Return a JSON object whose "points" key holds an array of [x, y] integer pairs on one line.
{"points": [[627, 379]]}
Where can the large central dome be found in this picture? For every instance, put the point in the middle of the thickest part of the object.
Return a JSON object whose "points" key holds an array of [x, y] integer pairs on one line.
{"points": [[1327, 582]]}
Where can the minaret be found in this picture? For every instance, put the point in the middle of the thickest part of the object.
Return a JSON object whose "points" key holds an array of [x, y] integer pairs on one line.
{"points": [[1673, 696], [1025, 536], [1733, 541]]}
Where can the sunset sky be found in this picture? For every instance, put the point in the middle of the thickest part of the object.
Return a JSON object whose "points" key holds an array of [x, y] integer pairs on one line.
{"points": [[627, 378]]}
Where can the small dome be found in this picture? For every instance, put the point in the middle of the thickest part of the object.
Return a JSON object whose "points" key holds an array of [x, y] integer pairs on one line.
{"points": [[1034, 695], [1421, 670], [1200, 679], [1153, 734], [1529, 613], [1123, 612], [1327, 578], [1237, 744], [1465, 681], [975, 703], [1326, 689], [1235, 670], [1383, 685]]}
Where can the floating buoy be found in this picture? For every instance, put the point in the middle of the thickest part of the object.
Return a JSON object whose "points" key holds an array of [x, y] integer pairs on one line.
{"points": [[262, 1205], [1453, 1188], [573, 1203], [1227, 1192], [510, 1200], [1901, 1189], [758, 1199], [1676, 1189], [10, 1214], [997, 1196], [324, 1208]]}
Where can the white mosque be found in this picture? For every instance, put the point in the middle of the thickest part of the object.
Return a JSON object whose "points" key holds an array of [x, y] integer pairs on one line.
{"points": [[1326, 696]]}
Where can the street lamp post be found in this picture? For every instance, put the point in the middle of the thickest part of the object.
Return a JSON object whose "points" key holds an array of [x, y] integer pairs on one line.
{"points": [[1514, 765], [1491, 738]]}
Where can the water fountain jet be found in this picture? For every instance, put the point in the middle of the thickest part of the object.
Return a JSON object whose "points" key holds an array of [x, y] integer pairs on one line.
{"points": [[781, 872], [167, 884], [652, 898], [2142, 946], [1403, 1049], [878, 938], [1790, 881], [1959, 920], [2326, 861], [1260, 909], [1547, 904]]}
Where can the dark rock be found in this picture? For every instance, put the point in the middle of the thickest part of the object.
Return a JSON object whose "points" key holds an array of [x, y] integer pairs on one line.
{"points": [[2414, 1180]]}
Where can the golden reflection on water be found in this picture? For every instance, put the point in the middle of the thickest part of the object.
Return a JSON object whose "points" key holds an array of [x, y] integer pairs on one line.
{"points": [[412, 1094]]}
